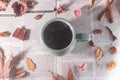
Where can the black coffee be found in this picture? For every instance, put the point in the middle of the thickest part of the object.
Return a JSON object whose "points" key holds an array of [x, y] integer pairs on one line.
{"points": [[57, 35]]}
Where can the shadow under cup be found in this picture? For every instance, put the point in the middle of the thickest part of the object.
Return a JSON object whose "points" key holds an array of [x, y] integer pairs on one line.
{"points": [[58, 37]]}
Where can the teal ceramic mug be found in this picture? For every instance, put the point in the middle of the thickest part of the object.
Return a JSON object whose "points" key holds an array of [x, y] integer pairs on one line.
{"points": [[59, 37]]}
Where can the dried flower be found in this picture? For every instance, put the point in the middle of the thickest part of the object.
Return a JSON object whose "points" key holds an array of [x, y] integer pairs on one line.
{"points": [[99, 54], [31, 4], [19, 8], [97, 31], [111, 65], [3, 5], [37, 17], [82, 66], [113, 50], [60, 10], [20, 74], [30, 64], [77, 12]]}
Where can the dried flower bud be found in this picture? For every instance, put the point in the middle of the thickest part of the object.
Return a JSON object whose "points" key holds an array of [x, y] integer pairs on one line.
{"points": [[37, 17], [113, 50], [111, 65]]}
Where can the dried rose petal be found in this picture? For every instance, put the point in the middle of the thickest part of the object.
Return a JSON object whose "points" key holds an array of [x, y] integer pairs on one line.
{"points": [[82, 66], [113, 50], [60, 10], [31, 4], [19, 8], [97, 31], [37, 17], [77, 12], [99, 54], [70, 75], [91, 43], [111, 65]]}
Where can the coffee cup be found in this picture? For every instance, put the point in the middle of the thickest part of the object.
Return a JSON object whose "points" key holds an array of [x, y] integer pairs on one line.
{"points": [[59, 37]]}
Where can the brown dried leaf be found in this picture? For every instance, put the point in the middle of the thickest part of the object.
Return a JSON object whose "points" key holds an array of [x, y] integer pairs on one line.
{"points": [[30, 64], [97, 31], [111, 65], [91, 43], [4, 34], [54, 76], [111, 33], [99, 54], [113, 50], [70, 75], [20, 74], [37, 17]]}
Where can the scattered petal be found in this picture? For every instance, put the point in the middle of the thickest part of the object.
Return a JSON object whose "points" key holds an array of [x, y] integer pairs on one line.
{"points": [[70, 75], [30, 4], [77, 12], [82, 66], [54, 76], [91, 43], [60, 10], [3, 5]]}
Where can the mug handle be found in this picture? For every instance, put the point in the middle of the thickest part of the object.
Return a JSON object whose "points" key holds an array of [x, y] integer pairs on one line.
{"points": [[83, 37]]}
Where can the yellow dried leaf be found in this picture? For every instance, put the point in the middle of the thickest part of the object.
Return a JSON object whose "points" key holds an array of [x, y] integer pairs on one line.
{"points": [[30, 64]]}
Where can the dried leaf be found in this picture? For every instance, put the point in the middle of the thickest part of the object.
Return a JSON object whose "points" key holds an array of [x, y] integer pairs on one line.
{"points": [[111, 65], [20, 74], [70, 75], [77, 12], [97, 31], [113, 50], [37, 17], [111, 33], [19, 8], [91, 43], [99, 54], [30, 64], [4, 34], [54, 76]]}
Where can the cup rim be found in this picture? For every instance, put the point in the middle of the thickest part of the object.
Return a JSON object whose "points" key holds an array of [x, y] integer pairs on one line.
{"points": [[66, 22]]}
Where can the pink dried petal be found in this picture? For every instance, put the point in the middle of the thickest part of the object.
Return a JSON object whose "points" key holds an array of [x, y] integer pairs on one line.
{"points": [[3, 5], [82, 66], [77, 12], [60, 10]]}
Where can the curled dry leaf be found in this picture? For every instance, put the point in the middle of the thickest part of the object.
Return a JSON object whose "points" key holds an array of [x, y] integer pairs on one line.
{"points": [[97, 31], [70, 75], [113, 50], [99, 54], [4, 34], [20, 74], [91, 43], [111, 33], [37, 17], [54, 76], [30, 64], [111, 65], [19, 8]]}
